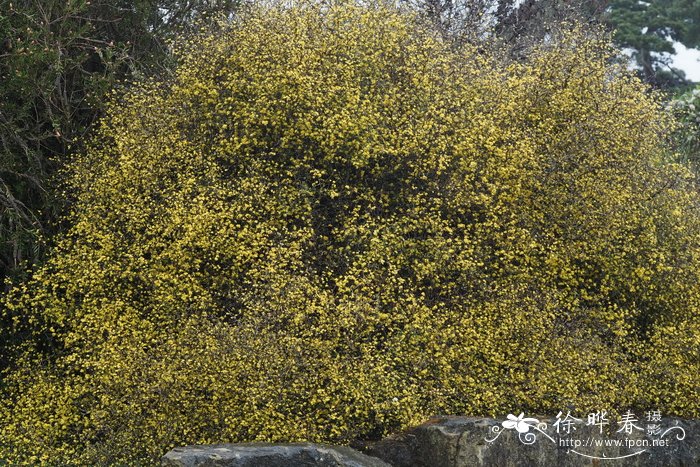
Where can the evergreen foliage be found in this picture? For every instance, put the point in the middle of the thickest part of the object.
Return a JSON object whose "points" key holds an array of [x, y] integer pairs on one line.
{"points": [[650, 28], [686, 109]]}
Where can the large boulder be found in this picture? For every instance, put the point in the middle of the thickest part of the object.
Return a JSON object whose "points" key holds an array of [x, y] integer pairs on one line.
{"points": [[469, 441], [269, 455], [466, 441]]}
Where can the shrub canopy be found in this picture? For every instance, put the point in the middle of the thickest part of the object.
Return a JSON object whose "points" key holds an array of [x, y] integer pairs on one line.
{"points": [[330, 224]]}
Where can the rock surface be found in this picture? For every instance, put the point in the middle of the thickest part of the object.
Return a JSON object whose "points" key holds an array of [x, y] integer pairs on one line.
{"points": [[462, 442], [269, 455], [467, 442]]}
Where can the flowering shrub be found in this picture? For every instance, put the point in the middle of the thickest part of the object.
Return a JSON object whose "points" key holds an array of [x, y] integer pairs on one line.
{"points": [[330, 224]]}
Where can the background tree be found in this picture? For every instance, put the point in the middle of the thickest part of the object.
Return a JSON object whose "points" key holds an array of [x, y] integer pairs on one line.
{"points": [[58, 62], [650, 28], [517, 24], [647, 28], [534, 21]]}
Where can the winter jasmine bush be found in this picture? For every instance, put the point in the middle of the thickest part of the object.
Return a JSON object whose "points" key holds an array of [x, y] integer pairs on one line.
{"points": [[330, 224]]}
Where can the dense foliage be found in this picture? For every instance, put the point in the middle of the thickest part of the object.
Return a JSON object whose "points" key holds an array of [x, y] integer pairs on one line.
{"points": [[55, 67], [58, 61], [686, 109], [331, 223]]}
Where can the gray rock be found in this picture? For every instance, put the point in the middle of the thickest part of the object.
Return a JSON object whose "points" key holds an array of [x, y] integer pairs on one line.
{"points": [[462, 442], [269, 455]]}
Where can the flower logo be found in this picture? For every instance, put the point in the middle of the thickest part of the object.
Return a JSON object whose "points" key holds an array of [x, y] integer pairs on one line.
{"points": [[521, 424]]}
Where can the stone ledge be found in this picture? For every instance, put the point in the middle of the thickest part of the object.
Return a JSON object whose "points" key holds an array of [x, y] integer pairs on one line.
{"points": [[467, 442], [462, 442], [269, 455]]}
